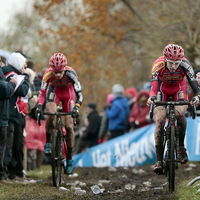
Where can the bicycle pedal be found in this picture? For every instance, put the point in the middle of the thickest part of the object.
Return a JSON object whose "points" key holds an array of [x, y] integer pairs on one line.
{"points": [[160, 173], [48, 154], [183, 162]]}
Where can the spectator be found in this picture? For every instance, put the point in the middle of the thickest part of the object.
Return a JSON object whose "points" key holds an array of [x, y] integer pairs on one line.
{"points": [[139, 115], [197, 74], [130, 94], [2, 61], [7, 90], [38, 81], [147, 85], [30, 65], [29, 103], [118, 113], [140, 87], [90, 134], [35, 140], [104, 132], [78, 132], [32, 74], [18, 109], [191, 93], [32, 99]]}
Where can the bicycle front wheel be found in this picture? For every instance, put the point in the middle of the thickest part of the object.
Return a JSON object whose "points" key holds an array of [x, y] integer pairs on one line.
{"points": [[56, 159], [171, 171]]}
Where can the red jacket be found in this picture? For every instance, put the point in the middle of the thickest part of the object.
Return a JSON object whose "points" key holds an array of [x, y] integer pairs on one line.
{"points": [[140, 112]]}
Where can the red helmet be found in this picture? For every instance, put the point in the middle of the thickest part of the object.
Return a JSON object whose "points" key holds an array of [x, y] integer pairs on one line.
{"points": [[58, 62], [173, 52]]}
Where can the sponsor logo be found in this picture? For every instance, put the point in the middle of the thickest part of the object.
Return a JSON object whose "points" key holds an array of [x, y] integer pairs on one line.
{"points": [[48, 75], [51, 96], [72, 104], [181, 95], [158, 66]]}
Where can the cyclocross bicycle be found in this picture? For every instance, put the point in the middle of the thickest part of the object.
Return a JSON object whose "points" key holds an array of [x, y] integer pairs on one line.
{"points": [[171, 156], [58, 146]]}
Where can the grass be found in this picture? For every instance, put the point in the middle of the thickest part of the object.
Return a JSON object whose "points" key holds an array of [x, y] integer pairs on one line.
{"points": [[184, 192], [34, 191], [43, 173]]}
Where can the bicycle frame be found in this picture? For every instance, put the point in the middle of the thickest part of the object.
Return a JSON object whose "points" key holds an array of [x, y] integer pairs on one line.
{"points": [[171, 140], [172, 148], [58, 140]]}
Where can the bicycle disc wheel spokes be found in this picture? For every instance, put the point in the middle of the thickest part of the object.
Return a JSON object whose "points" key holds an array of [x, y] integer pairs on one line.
{"points": [[56, 160]]}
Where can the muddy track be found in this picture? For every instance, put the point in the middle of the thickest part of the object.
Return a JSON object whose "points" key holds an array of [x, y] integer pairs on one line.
{"points": [[124, 183]]}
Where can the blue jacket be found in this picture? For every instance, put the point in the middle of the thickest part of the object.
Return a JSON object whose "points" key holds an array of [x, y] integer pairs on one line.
{"points": [[118, 114]]}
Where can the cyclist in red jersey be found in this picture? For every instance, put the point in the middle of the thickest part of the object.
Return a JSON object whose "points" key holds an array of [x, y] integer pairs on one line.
{"points": [[168, 78], [60, 83]]}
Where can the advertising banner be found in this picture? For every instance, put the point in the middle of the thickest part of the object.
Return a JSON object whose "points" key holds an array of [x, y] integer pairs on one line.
{"points": [[131, 149], [136, 148]]}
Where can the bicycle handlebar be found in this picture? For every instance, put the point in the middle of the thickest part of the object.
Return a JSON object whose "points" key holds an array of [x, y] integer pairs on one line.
{"points": [[38, 119], [177, 103], [55, 113], [151, 111]]}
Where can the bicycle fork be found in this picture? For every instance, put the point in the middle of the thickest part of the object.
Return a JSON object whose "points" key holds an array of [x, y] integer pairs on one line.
{"points": [[177, 146]]}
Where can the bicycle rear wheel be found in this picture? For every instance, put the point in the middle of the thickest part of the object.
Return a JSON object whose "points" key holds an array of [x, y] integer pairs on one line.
{"points": [[56, 159], [171, 170]]}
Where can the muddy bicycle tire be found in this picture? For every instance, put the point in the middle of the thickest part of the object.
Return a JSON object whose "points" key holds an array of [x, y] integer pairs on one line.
{"points": [[56, 159], [171, 169]]}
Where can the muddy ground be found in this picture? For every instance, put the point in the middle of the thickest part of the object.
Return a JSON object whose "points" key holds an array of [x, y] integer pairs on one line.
{"points": [[143, 183]]}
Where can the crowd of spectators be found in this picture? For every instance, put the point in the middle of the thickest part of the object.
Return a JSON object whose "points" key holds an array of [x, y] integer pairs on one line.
{"points": [[125, 111], [18, 75]]}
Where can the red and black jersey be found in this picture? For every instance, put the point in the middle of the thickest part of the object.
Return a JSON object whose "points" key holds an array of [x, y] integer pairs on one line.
{"points": [[160, 73], [69, 80]]}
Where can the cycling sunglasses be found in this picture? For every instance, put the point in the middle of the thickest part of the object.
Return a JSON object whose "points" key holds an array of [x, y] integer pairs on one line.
{"points": [[173, 63]]}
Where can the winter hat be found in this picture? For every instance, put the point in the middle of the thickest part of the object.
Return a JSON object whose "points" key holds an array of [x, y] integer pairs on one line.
{"points": [[130, 92], [92, 105], [117, 90], [17, 61], [23, 54], [147, 85], [110, 98], [143, 93]]}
